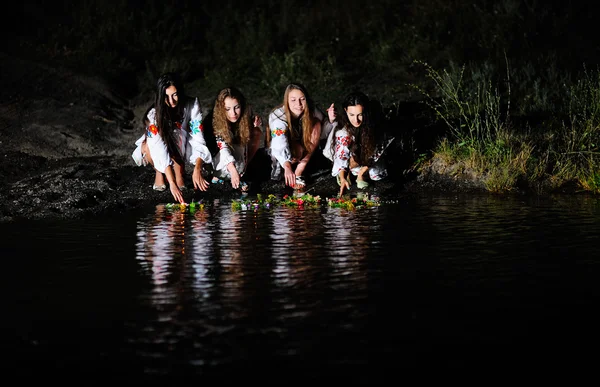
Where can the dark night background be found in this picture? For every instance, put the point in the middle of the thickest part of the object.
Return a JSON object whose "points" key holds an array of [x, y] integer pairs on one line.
{"points": [[332, 46]]}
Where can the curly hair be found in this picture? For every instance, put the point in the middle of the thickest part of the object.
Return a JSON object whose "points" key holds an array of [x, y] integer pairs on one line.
{"points": [[231, 132], [363, 147]]}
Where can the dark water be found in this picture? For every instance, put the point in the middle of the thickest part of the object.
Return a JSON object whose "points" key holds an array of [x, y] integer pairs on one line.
{"points": [[424, 284]]}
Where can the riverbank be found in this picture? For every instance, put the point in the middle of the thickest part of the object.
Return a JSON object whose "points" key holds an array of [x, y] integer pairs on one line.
{"points": [[67, 139]]}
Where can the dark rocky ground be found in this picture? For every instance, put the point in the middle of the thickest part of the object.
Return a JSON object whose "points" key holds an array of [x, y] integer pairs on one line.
{"points": [[67, 140]]}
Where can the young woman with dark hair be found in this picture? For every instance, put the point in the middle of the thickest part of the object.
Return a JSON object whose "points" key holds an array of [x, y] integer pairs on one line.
{"points": [[173, 134]]}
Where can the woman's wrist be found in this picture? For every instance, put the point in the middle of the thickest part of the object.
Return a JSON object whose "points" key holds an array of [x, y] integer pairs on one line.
{"points": [[231, 167]]}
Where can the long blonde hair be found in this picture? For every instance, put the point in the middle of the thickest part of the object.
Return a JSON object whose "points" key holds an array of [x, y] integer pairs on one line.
{"points": [[238, 132], [305, 125]]}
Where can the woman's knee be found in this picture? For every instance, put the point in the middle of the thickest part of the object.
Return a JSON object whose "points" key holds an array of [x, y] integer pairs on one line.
{"points": [[146, 155]]}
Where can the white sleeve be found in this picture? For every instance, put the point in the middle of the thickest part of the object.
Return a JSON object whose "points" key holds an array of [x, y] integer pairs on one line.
{"points": [[280, 148], [156, 146], [327, 152], [225, 155], [137, 153], [327, 128], [197, 142], [341, 155]]}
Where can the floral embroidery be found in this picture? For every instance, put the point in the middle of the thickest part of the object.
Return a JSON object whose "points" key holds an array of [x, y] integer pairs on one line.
{"points": [[152, 130], [196, 126], [221, 144], [277, 132], [178, 124], [345, 141]]}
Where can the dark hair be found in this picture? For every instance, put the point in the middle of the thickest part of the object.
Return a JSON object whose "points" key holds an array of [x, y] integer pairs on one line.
{"points": [[363, 146], [164, 114], [162, 110]]}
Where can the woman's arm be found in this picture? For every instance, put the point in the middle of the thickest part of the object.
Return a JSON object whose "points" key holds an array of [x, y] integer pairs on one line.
{"points": [[341, 155], [197, 178], [175, 191], [199, 148], [280, 147], [314, 139], [156, 146]]}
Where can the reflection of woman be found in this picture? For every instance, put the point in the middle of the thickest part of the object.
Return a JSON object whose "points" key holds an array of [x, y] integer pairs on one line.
{"points": [[237, 133], [353, 145], [173, 134], [294, 133], [157, 242]]}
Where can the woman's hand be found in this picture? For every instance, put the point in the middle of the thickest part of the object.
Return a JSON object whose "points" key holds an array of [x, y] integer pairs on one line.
{"points": [[199, 181], [257, 121], [300, 167], [235, 176], [331, 113], [176, 192], [343, 183], [197, 178], [290, 177]]}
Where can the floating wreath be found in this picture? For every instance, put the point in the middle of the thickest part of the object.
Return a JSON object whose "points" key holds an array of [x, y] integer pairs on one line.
{"points": [[191, 207], [271, 201], [304, 201], [353, 203]]}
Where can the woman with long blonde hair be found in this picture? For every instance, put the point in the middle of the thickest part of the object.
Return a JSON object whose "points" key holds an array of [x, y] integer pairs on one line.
{"points": [[294, 133]]}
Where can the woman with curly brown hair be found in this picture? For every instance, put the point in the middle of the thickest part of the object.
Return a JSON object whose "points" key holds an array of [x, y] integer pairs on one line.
{"points": [[237, 133]]}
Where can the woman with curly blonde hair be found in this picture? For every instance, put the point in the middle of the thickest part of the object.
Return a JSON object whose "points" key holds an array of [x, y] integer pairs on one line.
{"points": [[237, 133]]}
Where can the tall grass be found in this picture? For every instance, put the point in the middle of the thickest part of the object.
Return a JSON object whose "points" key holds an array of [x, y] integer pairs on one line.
{"points": [[577, 148], [563, 149], [480, 135]]}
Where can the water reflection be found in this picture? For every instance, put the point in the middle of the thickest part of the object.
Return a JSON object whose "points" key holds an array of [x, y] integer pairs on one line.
{"points": [[281, 258], [445, 281]]}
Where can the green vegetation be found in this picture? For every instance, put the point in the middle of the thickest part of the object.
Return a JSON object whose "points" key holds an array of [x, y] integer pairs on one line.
{"points": [[507, 79], [483, 139]]}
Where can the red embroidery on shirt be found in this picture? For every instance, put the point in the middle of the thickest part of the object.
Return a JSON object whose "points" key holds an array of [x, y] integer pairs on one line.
{"points": [[153, 129], [277, 132]]}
